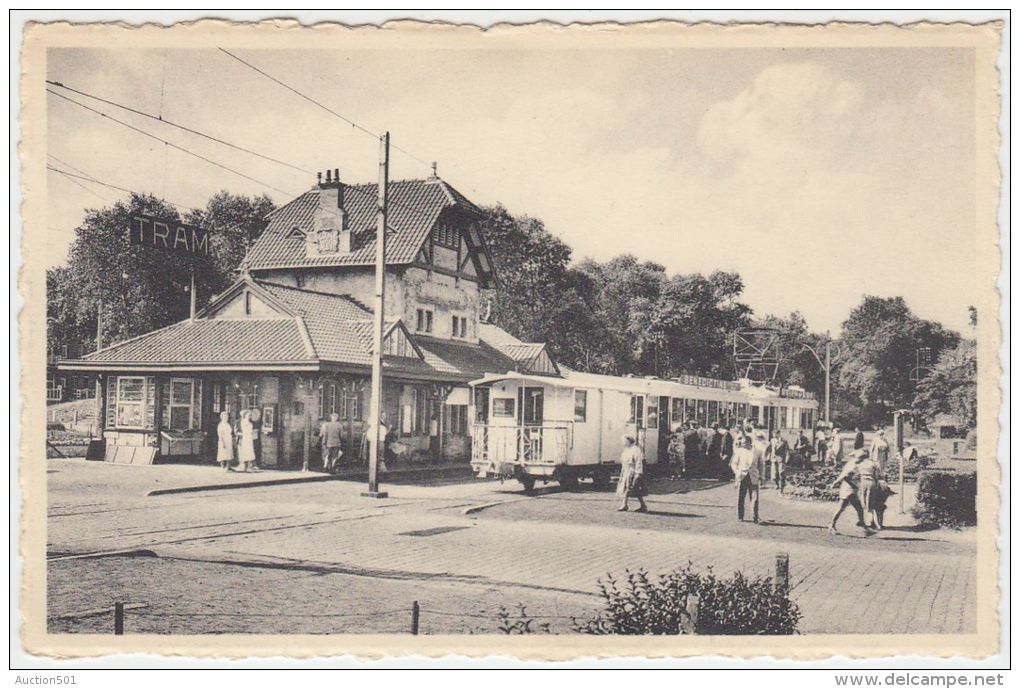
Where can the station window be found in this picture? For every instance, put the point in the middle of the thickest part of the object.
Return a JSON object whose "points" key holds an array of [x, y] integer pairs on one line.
{"points": [[131, 402], [503, 407], [456, 419], [580, 405], [459, 326], [182, 402], [424, 321]]}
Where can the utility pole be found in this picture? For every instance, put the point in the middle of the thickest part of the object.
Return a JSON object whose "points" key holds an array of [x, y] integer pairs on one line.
{"points": [[828, 373], [826, 366], [376, 445]]}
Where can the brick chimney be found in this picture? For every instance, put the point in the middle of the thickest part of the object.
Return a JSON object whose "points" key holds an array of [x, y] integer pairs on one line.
{"points": [[330, 232]]}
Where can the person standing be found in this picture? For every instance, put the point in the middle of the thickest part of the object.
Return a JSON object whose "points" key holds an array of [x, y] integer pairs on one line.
{"points": [[847, 482], [821, 447], [246, 443], [331, 434], [726, 453], [747, 470], [858, 439], [224, 441], [835, 447], [692, 448], [802, 448], [632, 469], [677, 452], [880, 451], [778, 454]]}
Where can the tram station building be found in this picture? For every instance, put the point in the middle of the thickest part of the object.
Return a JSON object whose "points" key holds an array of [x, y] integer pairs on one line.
{"points": [[292, 337], [291, 340]]}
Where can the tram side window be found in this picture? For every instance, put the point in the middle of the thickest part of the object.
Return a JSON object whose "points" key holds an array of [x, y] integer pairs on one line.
{"points": [[503, 407], [580, 405], [637, 410], [702, 415], [690, 410], [676, 410], [713, 412], [653, 411]]}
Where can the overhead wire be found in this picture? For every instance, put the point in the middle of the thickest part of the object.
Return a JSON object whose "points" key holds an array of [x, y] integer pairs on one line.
{"points": [[318, 104], [177, 125], [172, 145], [89, 178]]}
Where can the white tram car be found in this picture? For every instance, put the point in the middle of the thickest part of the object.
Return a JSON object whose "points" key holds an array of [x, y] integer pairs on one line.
{"points": [[545, 428]]}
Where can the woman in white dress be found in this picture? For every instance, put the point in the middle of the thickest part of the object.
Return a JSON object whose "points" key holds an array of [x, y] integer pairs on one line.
{"points": [[224, 441], [632, 469], [246, 444]]}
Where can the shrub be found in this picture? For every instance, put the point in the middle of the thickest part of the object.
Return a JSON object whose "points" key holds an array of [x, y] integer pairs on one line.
{"points": [[946, 498], [733, 605], [814, 483]]}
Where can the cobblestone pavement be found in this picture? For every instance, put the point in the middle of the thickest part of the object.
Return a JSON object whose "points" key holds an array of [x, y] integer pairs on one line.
{"points": [[546, 551]]}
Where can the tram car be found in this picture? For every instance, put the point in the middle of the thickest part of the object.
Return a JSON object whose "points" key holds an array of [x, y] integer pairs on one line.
{"points": [[569, 427]]}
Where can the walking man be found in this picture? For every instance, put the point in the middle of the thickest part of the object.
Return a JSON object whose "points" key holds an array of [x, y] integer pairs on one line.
{"points": [[847, 482], [331, 433]]}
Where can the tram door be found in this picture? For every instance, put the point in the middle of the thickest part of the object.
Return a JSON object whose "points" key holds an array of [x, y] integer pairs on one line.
{"points": [[532, 410], [664, 429]]}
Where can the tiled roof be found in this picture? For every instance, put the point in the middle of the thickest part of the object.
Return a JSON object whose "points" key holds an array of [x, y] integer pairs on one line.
{"points": [[495, 335], [315, 327], [212, 341], [463, 358], [414, 207], [311, 303]]}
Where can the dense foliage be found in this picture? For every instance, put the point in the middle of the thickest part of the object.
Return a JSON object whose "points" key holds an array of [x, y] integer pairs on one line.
{"points": [[951, 387], [142, 289], [947, 498], [727, 605], [880, 342]]}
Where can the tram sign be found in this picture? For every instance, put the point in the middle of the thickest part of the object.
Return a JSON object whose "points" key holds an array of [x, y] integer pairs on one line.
{"points": [[145, 230]]}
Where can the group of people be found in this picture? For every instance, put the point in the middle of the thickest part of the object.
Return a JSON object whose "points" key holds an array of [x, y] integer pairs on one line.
{"points": [[751, 454], [710, 451], [242, 440]]}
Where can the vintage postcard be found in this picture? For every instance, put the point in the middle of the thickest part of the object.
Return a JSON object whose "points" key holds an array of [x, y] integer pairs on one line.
{"points": [[540, 341]]}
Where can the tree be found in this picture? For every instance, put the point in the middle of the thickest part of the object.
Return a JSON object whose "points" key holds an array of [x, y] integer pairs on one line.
{"points": [[539, 298], [881, 338], [951, 387], [797, 365], [140, 288]]}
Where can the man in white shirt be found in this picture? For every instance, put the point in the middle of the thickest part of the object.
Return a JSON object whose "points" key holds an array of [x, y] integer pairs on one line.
{"points": [[748, 467]]}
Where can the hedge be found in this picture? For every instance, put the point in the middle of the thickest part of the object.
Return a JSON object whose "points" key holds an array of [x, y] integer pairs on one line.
{"points": [[732, 605], [946, 498]]}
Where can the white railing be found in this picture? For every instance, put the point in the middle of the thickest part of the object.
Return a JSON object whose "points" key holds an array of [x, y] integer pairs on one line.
{"points": [[520, 444]]}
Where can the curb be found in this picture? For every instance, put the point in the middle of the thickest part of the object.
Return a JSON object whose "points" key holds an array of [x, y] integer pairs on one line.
{"points": [[397, 475], [247, 484]]}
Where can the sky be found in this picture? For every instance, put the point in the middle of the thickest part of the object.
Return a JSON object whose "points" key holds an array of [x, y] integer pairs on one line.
{"points": [[820, 175]]}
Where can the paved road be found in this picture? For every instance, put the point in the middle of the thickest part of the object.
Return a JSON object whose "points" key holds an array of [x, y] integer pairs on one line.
{"points": [[288, 550]]}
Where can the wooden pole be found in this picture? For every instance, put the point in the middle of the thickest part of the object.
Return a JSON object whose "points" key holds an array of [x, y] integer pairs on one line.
{"points": [[783, 572], [375, 446], [118, 618], [306, 450], [194, 300], [415, 616], [99, 325]]}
